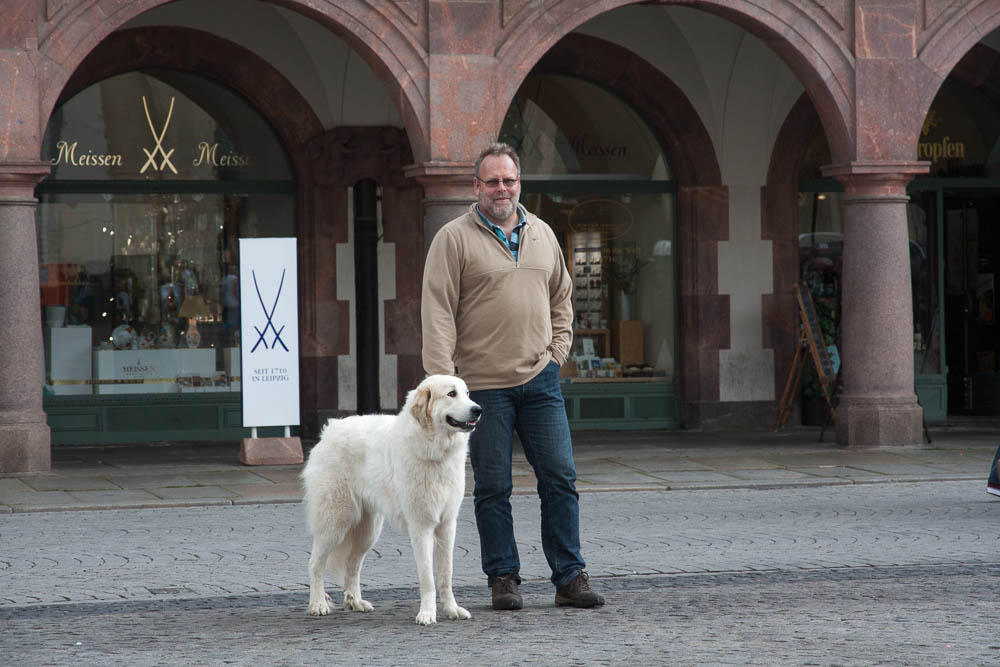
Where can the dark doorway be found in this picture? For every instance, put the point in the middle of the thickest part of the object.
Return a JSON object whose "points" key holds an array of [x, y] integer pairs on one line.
{"points": [[972, 268], [366, 238]]}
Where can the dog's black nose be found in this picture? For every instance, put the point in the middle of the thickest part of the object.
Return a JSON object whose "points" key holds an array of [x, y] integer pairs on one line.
{"points": [[476, 410]]}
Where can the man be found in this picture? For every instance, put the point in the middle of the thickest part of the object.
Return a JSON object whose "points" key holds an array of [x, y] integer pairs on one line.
{"points": [[496, 310]]}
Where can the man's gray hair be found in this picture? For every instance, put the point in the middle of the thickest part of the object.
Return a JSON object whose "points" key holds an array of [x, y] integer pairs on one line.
{"points": [[496, 149]]}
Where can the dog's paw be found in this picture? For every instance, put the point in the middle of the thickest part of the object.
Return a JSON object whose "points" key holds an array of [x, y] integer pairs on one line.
{"points": [[320, 607], [426, 618], [456, 613], [352, 603]]}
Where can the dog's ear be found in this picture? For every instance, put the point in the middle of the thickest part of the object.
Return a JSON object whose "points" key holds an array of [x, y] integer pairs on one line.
{"points": [[421, 406]]}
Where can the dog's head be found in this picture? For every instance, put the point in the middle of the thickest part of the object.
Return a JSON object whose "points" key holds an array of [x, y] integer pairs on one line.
{"points": [[441, 404]]}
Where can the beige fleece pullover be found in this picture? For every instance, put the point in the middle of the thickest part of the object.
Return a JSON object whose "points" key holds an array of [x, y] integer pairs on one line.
{"points": [[494, 321]]}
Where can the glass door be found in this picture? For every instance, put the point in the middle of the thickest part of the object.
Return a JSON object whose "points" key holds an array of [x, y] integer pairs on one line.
{"points": [[972, 265]]}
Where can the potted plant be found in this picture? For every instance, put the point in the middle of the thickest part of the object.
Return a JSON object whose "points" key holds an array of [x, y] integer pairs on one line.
{"points": [[625, 269]]}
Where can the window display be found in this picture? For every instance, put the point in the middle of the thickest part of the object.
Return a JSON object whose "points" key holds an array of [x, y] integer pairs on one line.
{"points": [[139, 254], [593, 171]]}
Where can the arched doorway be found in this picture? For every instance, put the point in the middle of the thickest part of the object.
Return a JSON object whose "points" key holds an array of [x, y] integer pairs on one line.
{"points": [[954, 248], [595, 172]]}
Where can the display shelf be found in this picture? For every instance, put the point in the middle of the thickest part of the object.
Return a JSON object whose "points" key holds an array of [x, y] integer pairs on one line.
{"points": [[602, 344], [149, 371]]}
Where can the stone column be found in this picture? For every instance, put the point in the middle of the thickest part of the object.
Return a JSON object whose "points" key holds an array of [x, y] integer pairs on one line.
{"points": [[448, 192], [25, 442], [879, 405]]}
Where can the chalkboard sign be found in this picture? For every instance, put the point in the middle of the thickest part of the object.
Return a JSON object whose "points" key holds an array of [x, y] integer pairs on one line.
{"points": [[811, 338], [817, 343]]}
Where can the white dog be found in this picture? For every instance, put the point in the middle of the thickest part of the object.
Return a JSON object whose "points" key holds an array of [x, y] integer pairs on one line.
{"points": [[409, 468]]}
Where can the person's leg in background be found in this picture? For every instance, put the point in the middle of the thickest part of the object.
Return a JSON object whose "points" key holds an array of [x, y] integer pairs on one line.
{"points": [[993, 484]]}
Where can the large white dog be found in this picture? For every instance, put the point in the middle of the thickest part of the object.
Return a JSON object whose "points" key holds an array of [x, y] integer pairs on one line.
{"points": [[409, 468]]}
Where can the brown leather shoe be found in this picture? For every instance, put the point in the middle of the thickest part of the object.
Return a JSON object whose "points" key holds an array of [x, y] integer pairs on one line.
{"points": [[506, 594], [578, 593]]}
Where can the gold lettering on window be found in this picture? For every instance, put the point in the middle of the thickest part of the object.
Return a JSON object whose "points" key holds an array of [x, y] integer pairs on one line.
{"points": [[67, 154], [209, 155]]}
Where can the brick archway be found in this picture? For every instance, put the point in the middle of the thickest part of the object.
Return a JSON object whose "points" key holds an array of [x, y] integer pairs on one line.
{"points": [[979, 68], [395, 55], [185, 49], [702, 208], [953, 37], [811, 40], [325, 163]]}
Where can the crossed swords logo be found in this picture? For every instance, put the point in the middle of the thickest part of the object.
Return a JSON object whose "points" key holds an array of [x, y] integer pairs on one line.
{"points": [[269, 315], [151, 155]]}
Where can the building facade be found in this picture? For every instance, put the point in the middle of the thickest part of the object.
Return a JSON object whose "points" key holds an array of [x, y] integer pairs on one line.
{"points": [[697, 161]]}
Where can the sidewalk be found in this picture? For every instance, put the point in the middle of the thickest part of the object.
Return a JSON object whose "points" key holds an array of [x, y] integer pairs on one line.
{"points": [[186, 474]]}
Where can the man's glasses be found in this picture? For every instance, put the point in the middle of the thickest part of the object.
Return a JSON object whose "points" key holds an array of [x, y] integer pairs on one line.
{"points": [[494, 183]]}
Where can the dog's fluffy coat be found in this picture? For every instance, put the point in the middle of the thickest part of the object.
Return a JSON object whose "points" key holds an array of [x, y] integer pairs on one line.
{"points": [[408, 468]]}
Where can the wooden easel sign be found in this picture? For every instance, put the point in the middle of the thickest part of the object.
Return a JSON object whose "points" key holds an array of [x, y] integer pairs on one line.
{"points": [[811, 339]]}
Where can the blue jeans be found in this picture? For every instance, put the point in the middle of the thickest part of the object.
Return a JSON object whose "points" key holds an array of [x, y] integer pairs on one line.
{"points": [[537, 412]]}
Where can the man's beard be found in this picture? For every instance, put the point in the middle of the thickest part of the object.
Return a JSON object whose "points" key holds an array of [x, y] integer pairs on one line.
{"points": [[499, 210]]}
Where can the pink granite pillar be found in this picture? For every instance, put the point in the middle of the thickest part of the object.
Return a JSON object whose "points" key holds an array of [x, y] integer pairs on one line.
{"points": [[448, 192], [25, 442], [879, 405]]}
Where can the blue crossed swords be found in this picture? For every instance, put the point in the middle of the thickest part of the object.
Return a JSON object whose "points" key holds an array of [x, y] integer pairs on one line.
{"points": [[270, 325]]}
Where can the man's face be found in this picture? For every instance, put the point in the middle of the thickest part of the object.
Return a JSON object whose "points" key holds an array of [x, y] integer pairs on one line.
{"points": [[498, 203]]}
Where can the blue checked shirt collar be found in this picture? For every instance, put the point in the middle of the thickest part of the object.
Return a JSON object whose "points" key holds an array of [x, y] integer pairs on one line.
{"points": [[514, 242]]}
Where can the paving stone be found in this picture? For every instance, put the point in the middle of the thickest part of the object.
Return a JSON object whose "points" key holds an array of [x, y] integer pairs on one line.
{"points": [[192, 492], [601, 466], [71, 484], [900, 469], [772, 474], [14, 486], [681, 476], [125, 496], [261, 493], [660, 463], [35, 498], [624, 477], [727, 463], [228, 477], [836, 471], [279, 474], [151, 481]]}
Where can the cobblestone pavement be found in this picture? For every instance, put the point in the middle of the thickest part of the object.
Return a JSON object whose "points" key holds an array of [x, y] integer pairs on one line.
{"points": [[898, 574]]}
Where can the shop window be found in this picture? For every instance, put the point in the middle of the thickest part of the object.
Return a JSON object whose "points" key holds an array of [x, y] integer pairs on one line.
{"points": [[155, 177], [592, 170]]}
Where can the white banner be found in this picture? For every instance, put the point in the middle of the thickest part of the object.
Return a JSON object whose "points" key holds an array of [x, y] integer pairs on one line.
{"points": [[269, 332]]}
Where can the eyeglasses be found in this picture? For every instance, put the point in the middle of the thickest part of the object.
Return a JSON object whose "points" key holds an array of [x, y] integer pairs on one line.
{"points": [[494, 183]]}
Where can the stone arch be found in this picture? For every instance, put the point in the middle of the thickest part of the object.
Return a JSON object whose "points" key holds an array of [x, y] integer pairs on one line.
{"points": [[274, 97], [702, 214], [804, 39], [956, 35], [664, 106], [950, 46], [395, 56], [978, 68]]}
